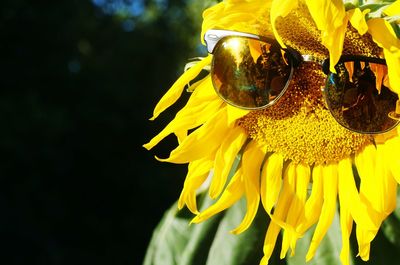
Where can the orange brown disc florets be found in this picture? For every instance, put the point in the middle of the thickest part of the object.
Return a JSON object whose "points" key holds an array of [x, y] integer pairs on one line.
{"points": [[299, 127]]}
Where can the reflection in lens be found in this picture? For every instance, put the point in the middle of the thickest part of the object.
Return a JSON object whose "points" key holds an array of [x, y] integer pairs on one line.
{"points": [[249, 73], [359, 99]]}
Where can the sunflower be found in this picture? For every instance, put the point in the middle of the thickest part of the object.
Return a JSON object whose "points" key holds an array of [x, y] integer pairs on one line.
{"points": [[294, 157]]}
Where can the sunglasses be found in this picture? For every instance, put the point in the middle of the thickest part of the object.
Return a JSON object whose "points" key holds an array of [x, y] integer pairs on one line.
{"points": [[252, 72]]}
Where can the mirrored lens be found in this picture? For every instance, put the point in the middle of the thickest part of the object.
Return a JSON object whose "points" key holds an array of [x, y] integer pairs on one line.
{"points": [[249, 73], [359, 98]]}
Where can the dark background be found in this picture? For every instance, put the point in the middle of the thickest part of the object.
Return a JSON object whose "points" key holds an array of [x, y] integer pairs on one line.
{"points": [[79, 80]]}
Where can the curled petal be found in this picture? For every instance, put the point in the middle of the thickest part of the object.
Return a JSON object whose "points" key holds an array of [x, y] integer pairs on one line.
{"points": [[235, 114], [393, 9], [224, 159], [280, 213], [357, 20], [201, 106], [197, 174], [271, 181], [363, 215], [231, 194], [252, 159], [330, 17], [296, 210], [175, 91], [203, 142], [393, 157], [313, 204], [384, 35], [281, 9], [328, 208], [235, 15], [346, 225]]}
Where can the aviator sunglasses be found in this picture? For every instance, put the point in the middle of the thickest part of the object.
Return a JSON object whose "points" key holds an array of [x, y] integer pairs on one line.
{"points": [[252, 72]]}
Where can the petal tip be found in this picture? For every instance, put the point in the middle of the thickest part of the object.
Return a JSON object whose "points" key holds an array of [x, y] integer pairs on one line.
{"points": [[161, 159], [147, 146]]}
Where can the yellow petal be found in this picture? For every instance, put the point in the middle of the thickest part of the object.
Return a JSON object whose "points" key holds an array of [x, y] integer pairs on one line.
{"points": [[235, 15], [201, 106], [235, 114], [377, 188], [365, 162], [184, 122], [276, 223], [197, 174], [290, 188], [231, 194], [357, 20], [393, 157], [383, 34], [203, 142], [328, 208], [363, 215], [296, 210], [346, 225], [175, 91], [369, 193], [378, 193], [330, 17], [364, 239], [271, 181], [286, 197], [393, 63], [314, 203], [387, 201], [281, 8], [224, 159], [393, 9], [252, 159]]}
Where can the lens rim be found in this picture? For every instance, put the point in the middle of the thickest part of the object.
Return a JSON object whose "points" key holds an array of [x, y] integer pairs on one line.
{"points": [[352, 58], [264, 40]]}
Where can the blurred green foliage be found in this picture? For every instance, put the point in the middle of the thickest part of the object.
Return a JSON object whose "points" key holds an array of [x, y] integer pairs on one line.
{"points": [[79, 80]]}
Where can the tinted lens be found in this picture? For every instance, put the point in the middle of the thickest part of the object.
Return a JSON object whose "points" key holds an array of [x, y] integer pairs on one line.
{"points": [[359, 99], [249, 73]]}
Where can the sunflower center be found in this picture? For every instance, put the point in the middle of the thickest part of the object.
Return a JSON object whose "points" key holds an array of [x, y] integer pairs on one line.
{"points": [[299, 127]]}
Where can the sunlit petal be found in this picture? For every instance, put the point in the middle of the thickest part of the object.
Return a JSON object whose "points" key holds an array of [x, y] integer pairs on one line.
{"points": [[176, 90], [296, 210], [346, 225], [271, 181], [328, 208], [357, 19], [202, 142], [252, 159], [393, 157], [313, 205], [384, 35], [279, 214], [231, 194], [281, 8], [330, 17], [197, 174], [362, 214], [224, 159]]}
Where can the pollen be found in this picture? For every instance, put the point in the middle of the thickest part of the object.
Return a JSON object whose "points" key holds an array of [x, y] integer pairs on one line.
{"points": [[298, 28], [354, 43], [299, 126]]}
